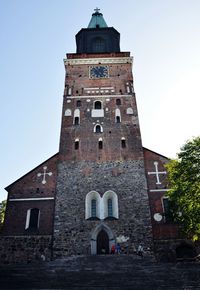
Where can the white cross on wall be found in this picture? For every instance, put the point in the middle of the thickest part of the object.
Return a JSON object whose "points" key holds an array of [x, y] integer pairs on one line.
{"points": [[157, 172], [44, 174]]}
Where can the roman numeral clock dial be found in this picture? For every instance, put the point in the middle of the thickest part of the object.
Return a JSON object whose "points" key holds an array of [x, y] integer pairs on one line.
{"points": [[96, 72]]}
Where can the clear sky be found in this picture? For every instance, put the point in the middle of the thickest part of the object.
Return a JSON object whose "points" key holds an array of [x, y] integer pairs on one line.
{"points": [[164, 38]]}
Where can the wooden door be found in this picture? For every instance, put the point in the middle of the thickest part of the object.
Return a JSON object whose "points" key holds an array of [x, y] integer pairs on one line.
{"points": [[102, 243]]}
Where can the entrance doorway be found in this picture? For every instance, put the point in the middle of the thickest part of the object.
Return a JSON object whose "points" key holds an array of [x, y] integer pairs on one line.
{"points": [[102, 243]]}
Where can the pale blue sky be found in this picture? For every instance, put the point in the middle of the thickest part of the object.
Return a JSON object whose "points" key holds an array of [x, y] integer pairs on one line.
{"points": [[164, 38]]}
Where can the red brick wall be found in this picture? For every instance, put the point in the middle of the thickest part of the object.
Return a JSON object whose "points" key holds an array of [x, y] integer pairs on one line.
{"points": [[162, 229], [29, 187]]}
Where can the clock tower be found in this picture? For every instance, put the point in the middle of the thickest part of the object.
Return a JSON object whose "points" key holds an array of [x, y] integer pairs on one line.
{"points": [[101, 191]]}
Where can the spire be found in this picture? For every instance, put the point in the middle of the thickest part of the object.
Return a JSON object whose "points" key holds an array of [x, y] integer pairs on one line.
{"points": [[97, 20]]}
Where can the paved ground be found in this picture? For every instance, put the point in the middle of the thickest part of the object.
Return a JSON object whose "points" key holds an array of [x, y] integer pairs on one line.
{"points": [[101, 273]]}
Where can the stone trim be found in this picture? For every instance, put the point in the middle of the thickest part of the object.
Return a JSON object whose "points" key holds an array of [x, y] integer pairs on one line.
{"points": [[31, 199], [101, 60], [99, 96]]}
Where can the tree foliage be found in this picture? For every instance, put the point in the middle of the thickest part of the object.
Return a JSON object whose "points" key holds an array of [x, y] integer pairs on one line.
{"points": [[2, 211], [184, 183]]}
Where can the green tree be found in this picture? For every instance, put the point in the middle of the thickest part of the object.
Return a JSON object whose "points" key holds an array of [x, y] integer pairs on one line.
{"points": [[2, 211], [184, 183]]}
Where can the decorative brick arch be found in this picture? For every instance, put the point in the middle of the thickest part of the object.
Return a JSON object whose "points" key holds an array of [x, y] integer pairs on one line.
{"points": [[94, 235]]}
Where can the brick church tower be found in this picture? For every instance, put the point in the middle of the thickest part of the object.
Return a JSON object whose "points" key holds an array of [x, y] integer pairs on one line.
{"points": [[102, 187]]}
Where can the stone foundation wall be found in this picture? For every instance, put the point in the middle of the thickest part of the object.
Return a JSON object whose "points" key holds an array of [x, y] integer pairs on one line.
{"points": [[72, 232], [166, 250], [24, 249]]}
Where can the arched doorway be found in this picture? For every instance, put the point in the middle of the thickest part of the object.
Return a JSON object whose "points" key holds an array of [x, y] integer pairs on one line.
{"points": [[102, 243], [102, 238]]}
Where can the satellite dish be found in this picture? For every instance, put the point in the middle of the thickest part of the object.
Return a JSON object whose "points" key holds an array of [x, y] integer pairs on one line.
{"points": [[157, 217]]}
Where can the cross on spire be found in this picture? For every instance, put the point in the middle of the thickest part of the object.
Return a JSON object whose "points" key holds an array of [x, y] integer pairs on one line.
{"points": [[96, 10], [44, 174], [156, 172]]}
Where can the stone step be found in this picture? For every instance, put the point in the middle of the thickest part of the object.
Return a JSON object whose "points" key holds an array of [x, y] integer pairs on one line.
{"points": [[101, 272]]}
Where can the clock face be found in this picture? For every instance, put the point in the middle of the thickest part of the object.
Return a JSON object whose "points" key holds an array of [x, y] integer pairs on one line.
{"points": [[97, 72]]}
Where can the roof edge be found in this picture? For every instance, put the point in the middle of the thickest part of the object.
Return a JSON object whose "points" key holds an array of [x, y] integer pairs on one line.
{"points": [[144, 148], [7, 187]]}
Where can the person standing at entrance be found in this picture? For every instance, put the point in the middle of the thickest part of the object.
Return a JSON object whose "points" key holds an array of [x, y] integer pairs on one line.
{"points": [[112, 249], [118, 249], [140, 251]]}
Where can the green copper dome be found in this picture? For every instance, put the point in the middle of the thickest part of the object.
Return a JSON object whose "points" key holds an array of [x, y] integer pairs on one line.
{"points": [[97, 20]]}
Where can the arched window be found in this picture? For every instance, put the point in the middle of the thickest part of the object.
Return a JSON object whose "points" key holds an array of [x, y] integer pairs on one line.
{"points": [[100, 144], [118, 102], [32, 219], [110, 208], [98, 129], [77, 117], [118, 119], [98, 105], [78, 103], [76, 144], [123, 143], [93, 208], [76, 121], [117, 116], [92, 205], [110, 205]]}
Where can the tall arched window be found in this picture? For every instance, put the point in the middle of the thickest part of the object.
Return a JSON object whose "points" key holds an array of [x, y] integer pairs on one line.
{"points": [[76, 121], [98, 105], [123, 142], [110, 208], [100, 144], [117, 116], [76, 144], [92, 205], [110, 205], [93, 208], [32, 219], [98, 129], [118, 119], [77, 117]]}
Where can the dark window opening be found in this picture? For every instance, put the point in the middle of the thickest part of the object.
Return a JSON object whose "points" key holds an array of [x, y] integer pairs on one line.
{"points": [[98, 45], [78, 103], [98, 129], [120, 91], [97, 105], [34, 218], [123, 143], [167, 212], [93, 208], [118, 120], [76, 92], [110, 208], [118, 102], [76, 121], [76, 145], [100, 144]]}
